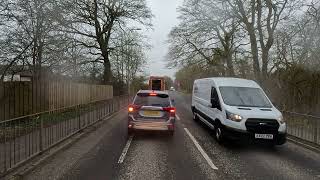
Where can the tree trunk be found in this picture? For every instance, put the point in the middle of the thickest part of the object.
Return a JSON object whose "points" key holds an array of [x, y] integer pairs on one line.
{"points": [[254, 51], [265, 55], [103, 43], [107, 74], [230, 69]]}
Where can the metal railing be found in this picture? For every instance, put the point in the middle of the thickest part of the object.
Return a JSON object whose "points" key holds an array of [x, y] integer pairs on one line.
{"points": [[25, 137], [303, 126]]}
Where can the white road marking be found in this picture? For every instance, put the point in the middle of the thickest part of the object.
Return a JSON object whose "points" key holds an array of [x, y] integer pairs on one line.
{"points": [[125, 150], [178, 118], [203, 153]]}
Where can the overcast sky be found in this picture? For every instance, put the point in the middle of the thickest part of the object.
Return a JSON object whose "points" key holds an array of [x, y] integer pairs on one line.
{"points": [[165, 12]]}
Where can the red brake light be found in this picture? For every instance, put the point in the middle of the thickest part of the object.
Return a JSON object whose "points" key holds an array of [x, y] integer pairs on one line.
{"points": [[133, 107], [152, 94], [130, 109], [171, 110]]}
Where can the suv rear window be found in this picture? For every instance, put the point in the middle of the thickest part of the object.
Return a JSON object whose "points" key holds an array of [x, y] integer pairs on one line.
{"points": [[145, 99]]}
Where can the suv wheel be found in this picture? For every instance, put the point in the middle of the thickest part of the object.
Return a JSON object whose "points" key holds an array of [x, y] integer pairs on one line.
{"points": [[130, 132], [171, 132]]}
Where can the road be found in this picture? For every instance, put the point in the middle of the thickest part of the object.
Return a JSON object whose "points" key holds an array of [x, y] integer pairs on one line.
{"points": [[192, 153]]}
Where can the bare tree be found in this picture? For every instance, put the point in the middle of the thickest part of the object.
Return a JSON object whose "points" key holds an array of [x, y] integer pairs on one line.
{"points": [[207, 32], [128, 57], [297, 41], [260, 19], [94, 23], [31, 36]]}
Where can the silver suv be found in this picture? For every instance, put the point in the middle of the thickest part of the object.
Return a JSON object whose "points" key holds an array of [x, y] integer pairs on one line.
{"points": [[151, 110]]}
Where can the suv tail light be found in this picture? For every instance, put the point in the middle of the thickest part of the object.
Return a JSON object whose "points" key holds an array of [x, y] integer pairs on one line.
{"points": [[171, 110]]}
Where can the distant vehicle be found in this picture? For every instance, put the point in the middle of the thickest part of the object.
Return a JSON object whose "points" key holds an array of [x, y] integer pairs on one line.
{"points": [[157, 83], [172, 89], [151, 110], [237, 109]]}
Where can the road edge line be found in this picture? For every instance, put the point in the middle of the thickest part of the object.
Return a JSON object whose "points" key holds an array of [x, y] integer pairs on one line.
{"points": [[203, 153], [125, 150]]}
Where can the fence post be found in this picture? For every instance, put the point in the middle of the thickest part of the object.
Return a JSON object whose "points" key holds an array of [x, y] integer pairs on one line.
{"points": [[79, 116], [316, 131], [112, 105], [118, 103], [40, 134], [5, 146]]}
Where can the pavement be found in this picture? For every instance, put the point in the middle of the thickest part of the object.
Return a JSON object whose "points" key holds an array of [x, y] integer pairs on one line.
{"points": [[191, 153]]}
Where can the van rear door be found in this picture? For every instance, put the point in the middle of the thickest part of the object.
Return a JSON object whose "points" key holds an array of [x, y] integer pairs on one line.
{"points": [[156, 84]]}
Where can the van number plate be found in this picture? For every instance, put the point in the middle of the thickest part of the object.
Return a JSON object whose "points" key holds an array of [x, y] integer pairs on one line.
{"points": [[263, 136]]}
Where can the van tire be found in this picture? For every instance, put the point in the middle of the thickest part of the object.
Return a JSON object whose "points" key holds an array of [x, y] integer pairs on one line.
{"points": [[219, 133], [195, 116]]}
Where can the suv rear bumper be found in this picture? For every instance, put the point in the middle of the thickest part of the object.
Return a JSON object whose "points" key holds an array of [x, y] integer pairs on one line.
{"points": [[152, 125], [156, 126], [242, 135]]}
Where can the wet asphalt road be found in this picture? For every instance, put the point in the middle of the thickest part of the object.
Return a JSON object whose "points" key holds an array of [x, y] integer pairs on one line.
{"points": [[159, 156]]}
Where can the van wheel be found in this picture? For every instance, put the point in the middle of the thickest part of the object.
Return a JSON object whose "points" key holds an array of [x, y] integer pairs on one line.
{"points": [[195, 116], [219, 134]]}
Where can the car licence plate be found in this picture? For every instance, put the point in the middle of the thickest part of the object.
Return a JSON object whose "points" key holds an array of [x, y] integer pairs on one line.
{"points": [[263, 136], [151, 113]]}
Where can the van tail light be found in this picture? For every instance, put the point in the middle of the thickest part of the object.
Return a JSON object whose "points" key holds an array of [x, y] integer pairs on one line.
{"points": [[171, 110], [133, 107]]}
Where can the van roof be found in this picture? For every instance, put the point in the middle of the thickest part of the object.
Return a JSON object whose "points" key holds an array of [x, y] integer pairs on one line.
{"points": [[237, 82]]}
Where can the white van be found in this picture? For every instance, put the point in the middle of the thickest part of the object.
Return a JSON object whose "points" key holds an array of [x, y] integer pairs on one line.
{"points": [[237, 109]]}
